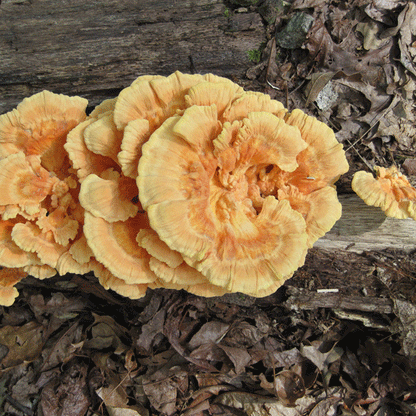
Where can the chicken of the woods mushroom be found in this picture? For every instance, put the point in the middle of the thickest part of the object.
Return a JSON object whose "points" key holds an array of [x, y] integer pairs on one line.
{"points": [[41, 217], [390, 190], [184, 182]]}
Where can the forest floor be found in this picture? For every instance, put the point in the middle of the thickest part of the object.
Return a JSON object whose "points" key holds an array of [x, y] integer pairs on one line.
{"points": [[317, 346]]}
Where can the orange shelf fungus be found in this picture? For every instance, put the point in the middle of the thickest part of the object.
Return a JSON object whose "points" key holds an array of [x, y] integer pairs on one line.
{"points": [[183, 182], [240, 189], [109, 281], [39, 126], [390, 190], [105, 151], [40, 213], [84, 160]]}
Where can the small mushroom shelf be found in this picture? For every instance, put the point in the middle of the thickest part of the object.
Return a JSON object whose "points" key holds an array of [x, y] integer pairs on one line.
{"points": [[184, 182]]}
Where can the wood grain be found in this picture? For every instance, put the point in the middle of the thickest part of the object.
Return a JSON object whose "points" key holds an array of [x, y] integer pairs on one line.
{"points": [[96, 48], [364, 228]]}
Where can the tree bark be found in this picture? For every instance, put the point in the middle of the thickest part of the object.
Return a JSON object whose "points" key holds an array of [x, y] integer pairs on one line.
{"points": [[96, 48]]}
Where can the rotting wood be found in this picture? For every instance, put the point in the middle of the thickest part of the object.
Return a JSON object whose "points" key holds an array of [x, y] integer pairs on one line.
{"points": [[94, 49], [364, 228], [302, 299]]}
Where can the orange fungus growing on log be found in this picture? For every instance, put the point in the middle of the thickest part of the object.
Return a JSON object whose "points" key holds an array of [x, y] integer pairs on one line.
{"points": [[183, 182]]}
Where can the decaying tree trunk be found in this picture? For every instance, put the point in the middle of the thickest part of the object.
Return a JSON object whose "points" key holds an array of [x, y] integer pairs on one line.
{"points": [[96, 48], [363, 228]]}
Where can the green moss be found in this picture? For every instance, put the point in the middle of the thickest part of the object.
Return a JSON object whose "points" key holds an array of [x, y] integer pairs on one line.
{"points": [[227, 13], [254, 55]]}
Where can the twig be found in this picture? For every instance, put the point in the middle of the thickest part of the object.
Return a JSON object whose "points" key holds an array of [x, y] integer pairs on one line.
{"points": [[25, 410]]}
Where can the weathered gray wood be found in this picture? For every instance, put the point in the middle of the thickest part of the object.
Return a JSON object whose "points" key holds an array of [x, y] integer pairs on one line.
{"points": [[364, 228], [95, 48], [302, 299]]}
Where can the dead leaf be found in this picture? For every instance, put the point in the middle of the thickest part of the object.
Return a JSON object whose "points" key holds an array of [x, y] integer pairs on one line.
{"points": [[209, 352], [322, 48], [179, 325], [409, 165], [283, 359], [106, 333], [67, 395], [239, 357], [24, 343], [305, 4], [322, 360], [211, 332], [326, 407], [407, 33], [242, 334], [381, 10], [357, 372], [161, 388], [317, 83], [370, 31], [130, 411], [61, 352], [256, 405], [25, 388], [115, 399], [150, 330], [58, 306], [289, 387]]}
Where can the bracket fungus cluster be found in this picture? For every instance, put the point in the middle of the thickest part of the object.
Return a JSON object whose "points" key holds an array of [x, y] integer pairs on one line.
{"points": [[390, 190], [184, 182]]}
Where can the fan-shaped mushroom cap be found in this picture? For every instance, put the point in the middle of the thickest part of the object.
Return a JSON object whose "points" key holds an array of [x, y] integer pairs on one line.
{"points": [[222, 93], [109, 199], [78, 259], [150, 241], [30, 238], [103, 108], [24, 182], [11, 255], [114, 245], [39, 126], [323, 161], [184, 277], [102, 137], [149, 101], [153, 98], [320, 209], [231, 183], [60, 225], [40, 271], [109, 281], [39, 199], [171, 269], [8, 278], [67, 264], [136, 133], [84, 160], [194, 183], [80, 250], [390, 190], [253, 102]]}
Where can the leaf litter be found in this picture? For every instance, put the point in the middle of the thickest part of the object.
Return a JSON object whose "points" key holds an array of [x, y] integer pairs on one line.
{"points": [[71, 348]]}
